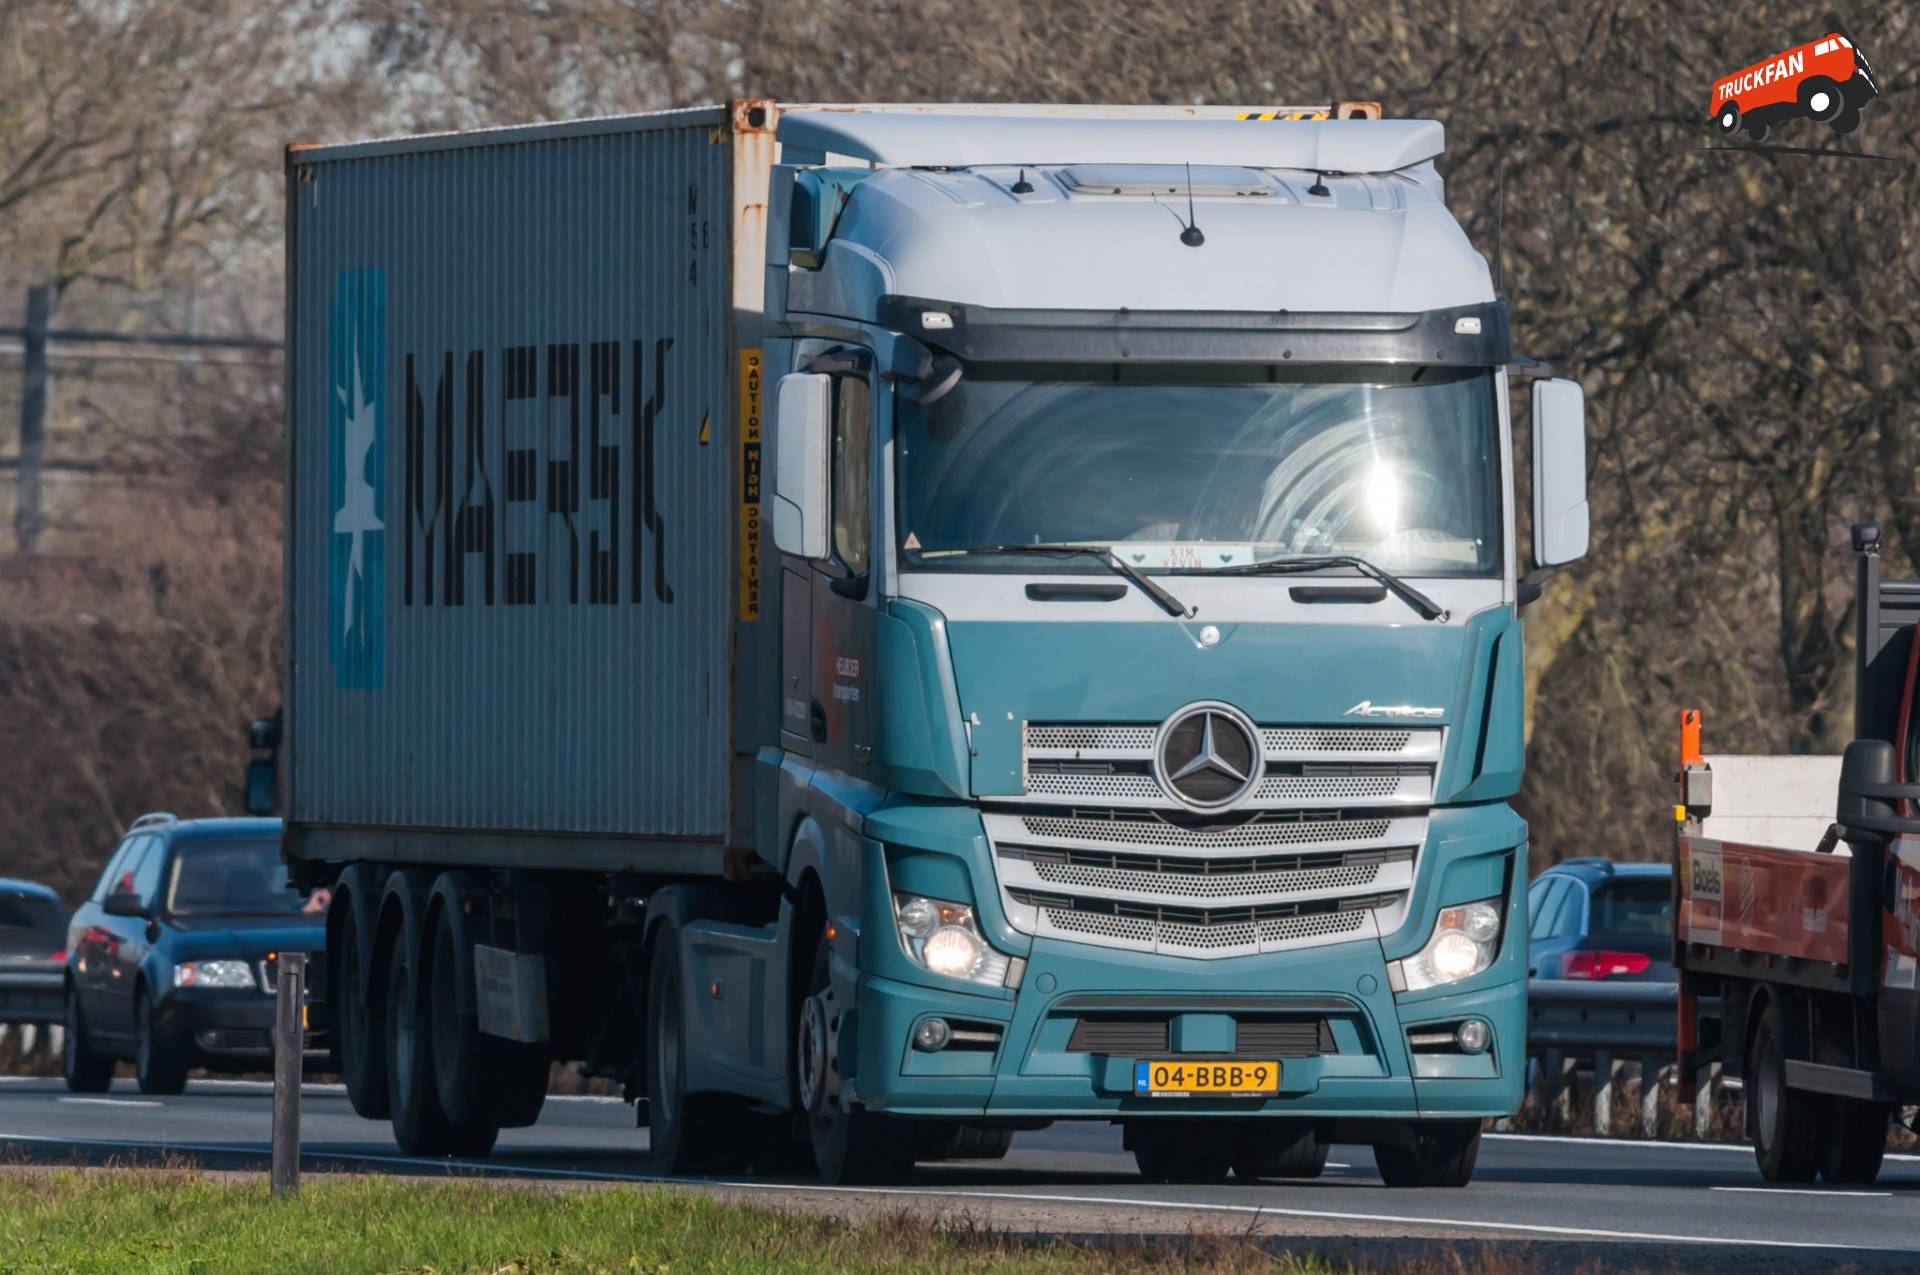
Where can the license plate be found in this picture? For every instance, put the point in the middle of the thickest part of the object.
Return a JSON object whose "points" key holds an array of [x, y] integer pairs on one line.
{"points": [[1226, 1078]]}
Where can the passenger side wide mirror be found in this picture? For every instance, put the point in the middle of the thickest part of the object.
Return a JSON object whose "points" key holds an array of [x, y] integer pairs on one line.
{"points": [[803, 410], [1559, 473], [1867, 765], [261, 787]]}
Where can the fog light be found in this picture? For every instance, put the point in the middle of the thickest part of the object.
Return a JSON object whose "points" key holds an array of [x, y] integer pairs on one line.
{"points": [[932, 1035], [1472, 1036]]}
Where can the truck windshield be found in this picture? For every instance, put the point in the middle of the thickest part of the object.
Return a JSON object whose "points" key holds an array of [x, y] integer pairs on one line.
{"points": [[1190, 472]]}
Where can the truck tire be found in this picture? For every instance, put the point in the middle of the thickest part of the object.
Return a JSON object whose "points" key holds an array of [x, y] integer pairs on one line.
{"points": [[849, 1147], [1442, 1154], [1821, 99], [940, 1141], [478, 1077], [1171, 1150], [1279, 1149], [689, 1134], [1787, 1122], [159, 1055], [419, 1125], [1859, 1141], [84, 1070], [359, 1032]]}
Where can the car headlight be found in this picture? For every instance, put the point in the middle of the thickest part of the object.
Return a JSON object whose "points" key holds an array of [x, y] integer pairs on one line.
{"points": [[944, 938], [213, 974], [1465, 940]]}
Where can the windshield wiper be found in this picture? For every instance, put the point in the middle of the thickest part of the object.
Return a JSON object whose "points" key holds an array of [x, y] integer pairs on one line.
{"points": [[1426, 606], [1164, 600]]}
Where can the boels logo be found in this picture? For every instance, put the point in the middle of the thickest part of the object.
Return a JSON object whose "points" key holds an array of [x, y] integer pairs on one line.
{"points": [[1827, 81]]}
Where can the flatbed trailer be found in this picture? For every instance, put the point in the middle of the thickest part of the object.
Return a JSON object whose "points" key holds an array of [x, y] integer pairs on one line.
{"points": [[1795, 910]]}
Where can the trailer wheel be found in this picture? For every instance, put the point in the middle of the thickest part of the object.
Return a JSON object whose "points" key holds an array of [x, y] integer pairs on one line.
{"points": [[688, 1133], [1820, 98], [1786, 1122], [848, 1146], [1728, 120], [1167, 1150], [419, 1125], [1443, 1154], [1859, 1140], [479, 1078], [1279, 1149], [359, 1032]]}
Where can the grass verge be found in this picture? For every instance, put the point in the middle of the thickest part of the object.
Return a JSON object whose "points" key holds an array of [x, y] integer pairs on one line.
{"points": [[181, 1220]]}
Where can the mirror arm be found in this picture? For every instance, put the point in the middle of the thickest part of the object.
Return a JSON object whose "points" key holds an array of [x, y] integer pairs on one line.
{"points": [[1531, 585]]}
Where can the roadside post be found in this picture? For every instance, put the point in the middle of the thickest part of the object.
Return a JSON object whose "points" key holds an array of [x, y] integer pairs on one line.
{"points": [[289, 1048]]}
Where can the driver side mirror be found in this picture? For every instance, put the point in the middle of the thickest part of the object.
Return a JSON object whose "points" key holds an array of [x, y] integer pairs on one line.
{"points": [[1559, 473], [123, 903], [803, 410]]}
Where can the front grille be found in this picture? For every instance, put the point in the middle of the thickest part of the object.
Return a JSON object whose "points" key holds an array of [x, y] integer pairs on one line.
{"points": [[1121, 1036], [1282, 1037], [1321, 850]]}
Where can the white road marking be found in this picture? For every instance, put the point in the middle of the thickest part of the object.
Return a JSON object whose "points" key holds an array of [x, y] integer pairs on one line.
{"points": [[1808, 1190], [114, 1102], [1742, 1147], [1021, 1197]]}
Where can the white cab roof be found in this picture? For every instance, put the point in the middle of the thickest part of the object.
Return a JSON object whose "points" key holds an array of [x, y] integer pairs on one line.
{"points": [[956, 141]]}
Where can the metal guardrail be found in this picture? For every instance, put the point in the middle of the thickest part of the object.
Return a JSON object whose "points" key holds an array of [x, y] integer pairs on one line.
{"points": [[1606, 1029]]}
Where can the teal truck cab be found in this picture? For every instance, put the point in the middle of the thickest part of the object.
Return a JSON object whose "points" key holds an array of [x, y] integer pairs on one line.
{"points": [[1086, 685]]}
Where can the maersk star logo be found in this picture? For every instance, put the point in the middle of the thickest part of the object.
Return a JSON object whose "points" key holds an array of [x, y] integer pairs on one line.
{"points": [[357, 514], [357, 478]]}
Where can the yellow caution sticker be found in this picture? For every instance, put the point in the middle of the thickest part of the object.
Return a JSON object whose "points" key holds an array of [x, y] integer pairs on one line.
{"points": [[750, 389]]}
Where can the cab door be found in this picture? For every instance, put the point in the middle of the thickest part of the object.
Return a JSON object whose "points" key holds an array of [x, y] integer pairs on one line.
{"points": [[841, 718]]}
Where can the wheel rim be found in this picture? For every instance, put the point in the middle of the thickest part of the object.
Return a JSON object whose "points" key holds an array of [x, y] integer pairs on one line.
{"points": [[813, 1055]]}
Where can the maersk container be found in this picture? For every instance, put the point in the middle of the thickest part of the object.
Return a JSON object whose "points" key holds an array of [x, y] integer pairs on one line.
{"points": [[523, 402]]}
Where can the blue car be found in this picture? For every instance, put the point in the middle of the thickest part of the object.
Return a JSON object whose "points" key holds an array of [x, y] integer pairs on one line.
{"points": [[170, 961], [1591, 918], [33, 940]]}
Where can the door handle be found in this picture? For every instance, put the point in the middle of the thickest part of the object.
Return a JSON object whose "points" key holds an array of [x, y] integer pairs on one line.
{"points": [[817, 718]]}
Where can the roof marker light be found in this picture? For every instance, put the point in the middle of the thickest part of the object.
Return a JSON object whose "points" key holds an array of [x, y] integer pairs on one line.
{"points": [[1469, 326], [935, 321]]}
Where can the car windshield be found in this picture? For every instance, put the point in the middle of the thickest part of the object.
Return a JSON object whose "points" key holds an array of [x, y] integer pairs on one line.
{"points": [[236, 875], [31, 924], [1182, 471], [1632, 909]]}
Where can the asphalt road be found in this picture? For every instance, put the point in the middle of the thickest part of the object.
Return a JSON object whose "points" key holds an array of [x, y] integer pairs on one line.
{"points": [[1563, 1201]]}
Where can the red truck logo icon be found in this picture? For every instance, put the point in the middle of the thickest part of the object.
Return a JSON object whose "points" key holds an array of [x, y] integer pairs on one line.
{"points": [[1827, 81]]}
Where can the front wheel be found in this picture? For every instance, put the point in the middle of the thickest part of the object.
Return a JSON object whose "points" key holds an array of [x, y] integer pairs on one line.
{"points": [[159, 1060], [1174, 1150], [849, 1147], [687, 1133], [1279, 1149], [1442, 1153], [84, 1070], [1787, 1123]]}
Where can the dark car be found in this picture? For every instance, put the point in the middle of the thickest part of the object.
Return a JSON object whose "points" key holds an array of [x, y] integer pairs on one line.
{"points": [[1595, 919], [33, 953], [171, 958]]}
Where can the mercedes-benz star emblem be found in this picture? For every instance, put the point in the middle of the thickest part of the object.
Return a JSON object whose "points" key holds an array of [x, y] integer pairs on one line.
{"points": [[1207, 756]]}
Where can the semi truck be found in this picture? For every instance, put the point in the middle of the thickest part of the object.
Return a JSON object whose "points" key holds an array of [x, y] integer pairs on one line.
{"points": [[875, 627], [1797, 888]]}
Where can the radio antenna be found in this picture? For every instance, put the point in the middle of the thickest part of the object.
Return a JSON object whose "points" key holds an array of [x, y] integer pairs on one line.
{"points": [[1192, 236], [1499, 213]]}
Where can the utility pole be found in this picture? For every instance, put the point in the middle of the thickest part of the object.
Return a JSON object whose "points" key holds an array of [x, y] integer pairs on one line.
{"points": [[33, 418]]}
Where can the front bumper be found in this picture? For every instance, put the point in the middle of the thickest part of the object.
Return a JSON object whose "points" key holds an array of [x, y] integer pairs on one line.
{"points": [[226, 1028], [1038, 1070]]}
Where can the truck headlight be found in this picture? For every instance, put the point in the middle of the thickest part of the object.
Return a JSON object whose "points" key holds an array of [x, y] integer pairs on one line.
{"points": [[213, 974], [943, 938], [1465, 940]]}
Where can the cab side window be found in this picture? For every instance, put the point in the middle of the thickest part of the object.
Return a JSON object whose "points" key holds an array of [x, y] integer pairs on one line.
{"points": [[852, 471]]}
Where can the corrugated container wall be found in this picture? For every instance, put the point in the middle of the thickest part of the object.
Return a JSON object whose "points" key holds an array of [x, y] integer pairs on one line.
{"points": [[510, 487]]}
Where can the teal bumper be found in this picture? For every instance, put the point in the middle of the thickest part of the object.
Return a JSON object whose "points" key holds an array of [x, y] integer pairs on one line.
{"points": [[1032, 1070]]}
